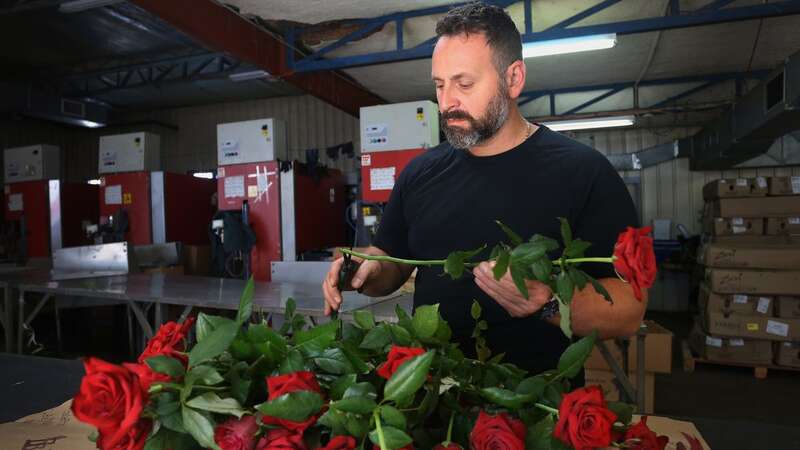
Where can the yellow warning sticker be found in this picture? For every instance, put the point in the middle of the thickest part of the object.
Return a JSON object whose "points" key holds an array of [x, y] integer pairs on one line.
{"points": [[127, 198], [752, 327], [420, 117], [252, 191]]}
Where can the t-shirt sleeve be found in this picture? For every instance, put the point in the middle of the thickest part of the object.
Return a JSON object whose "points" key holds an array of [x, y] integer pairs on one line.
{"points": [[607, 210], [392, 235]]}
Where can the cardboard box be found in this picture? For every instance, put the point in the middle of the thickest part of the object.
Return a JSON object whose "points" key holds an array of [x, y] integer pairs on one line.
{"points": [[780, 239], [605, 380], [788, 307], [787, 354], [751, 327], [735, 187], [734, 226], [784, 185], [751, 256], [657, 351], [786, 206], [757, 305], [738, 281], [782, 225], [197, 259], [714, 348]]}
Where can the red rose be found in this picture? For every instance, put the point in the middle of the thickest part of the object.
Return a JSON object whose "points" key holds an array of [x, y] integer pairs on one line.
{"points": [[340, 443], [450, 446], [110, 399], [584, 422], [498, 432], [281, 439], [396, 357], [135, 439], [407, 447], [169, 341], [237, 434], [640, 437], [636, 261], [284, 384], [146, 375]]}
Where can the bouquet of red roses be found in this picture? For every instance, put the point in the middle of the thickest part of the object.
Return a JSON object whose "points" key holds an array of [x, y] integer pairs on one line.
{"points": [[396, 385]]}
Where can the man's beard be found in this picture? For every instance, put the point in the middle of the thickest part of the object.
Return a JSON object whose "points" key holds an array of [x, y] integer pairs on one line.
{"points": [[481, 130]]}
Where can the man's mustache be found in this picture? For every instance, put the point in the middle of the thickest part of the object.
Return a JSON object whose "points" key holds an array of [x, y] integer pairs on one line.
{"points": [[456, 114]]}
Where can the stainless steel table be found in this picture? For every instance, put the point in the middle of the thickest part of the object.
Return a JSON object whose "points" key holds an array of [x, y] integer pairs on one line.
{"points": [[10, 275]]}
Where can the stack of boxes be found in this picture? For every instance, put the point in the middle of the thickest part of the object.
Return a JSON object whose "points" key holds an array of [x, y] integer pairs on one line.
{"points": [[750, 298]]}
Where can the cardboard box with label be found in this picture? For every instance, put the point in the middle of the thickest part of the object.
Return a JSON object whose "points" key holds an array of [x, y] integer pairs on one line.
{"points": [[605, 380], [734, 226], [751, 327], [779, 239], [738, 281], [782, 225], [730, 349], [759, 305], [787, 354], [750, 256], [785, 206], [657, 351], [784, 185], [788, 307], [735, 187]]}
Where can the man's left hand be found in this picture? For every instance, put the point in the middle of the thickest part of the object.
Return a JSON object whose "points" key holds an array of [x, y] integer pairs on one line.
{"points": [[506, 294]]}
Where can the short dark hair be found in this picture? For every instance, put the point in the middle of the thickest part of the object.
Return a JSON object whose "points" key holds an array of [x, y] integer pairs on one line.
{"points": [[496, 25]]}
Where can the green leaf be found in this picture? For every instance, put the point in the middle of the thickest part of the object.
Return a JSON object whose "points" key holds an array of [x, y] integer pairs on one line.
{"points": [[292, 363], [505, 398], [578, 277], [166, 365], [206, 374], [533, 386], [317, 339], [356, 425], [565, 287], [573, 358], [295, 406], [334, 420], [165, 408], [496, 251], [174, 422], [454, 264], [566, 231], [475, 310], [599, 288], [364, 319], [206, 324], [409, 377], [501, 264], [623, 411], [393, 417], [443, 332], [512, 236], [542, 269], [334, 361], [355, 405], [217, 342], [167, 438], [377, 338], [210, 401], [393, 437], [426, 321], [565, 321], [290, 308], [353, 355], [400, 335], [363, 389], [527, 253], [200, 427], [352, 333], [240, 381], [549, 244], [518, 275], [577, 248], [341, 384], [541, 435], [246, 302]]}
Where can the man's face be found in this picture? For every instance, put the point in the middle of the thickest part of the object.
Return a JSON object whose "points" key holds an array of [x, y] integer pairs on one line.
{"points": [[473, 98]]}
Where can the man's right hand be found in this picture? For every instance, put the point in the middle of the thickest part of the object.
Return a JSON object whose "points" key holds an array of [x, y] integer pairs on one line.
{"points": [[367, 270]]}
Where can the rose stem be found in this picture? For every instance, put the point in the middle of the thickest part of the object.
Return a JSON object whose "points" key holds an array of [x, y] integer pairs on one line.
{"points": [[378, 428], [546, 408]]}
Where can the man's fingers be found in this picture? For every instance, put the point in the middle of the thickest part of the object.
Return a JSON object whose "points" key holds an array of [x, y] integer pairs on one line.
{"points": [[365, 270], [333, 273]]}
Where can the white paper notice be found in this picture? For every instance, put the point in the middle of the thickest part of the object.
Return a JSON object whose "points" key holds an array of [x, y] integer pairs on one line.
{"points": [[381, 179], [234, 186], [794, 220], [113, 195], [740, 299], [796, 185], [713, 342], [737, 229], [737, 220], [366, 160], [736, 342], [15, 202], [763, 305], [777, 328], [761, 182], [741, 182]]}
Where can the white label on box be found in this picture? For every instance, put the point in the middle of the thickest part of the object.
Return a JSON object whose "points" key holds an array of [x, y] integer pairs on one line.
{"points": [[761, 182], [794, 220], [366, 160], [740, 299], [713, 342], [736, 342], [741, 182], [777, 328], [796, 185], [737, 221], [370, 220], [763, 305], [15, 202], [113, 195], [738, 229], [234, 186], [381, 179]]}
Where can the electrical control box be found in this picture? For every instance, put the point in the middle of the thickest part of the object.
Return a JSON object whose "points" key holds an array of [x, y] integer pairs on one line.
{"points": [[31, 163], [400, 126], [130, 152], [252, 141]]}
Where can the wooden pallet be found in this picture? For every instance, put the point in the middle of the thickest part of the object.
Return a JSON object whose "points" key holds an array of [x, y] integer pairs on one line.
{"points": [[759, 370]]}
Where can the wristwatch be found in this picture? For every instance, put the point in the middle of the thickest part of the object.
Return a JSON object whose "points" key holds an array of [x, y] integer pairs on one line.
{"points": [[550, 309]]}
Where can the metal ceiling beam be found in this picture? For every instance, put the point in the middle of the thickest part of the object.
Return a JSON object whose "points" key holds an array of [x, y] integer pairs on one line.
{"points": [[707, 15], [219, 28]]}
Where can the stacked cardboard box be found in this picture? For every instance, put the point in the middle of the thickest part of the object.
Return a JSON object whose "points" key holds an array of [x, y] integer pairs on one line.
{"points": [[749, 300], [657, 359]]}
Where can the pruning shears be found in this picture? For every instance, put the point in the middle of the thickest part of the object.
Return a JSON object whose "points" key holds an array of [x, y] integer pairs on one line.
{"points": [[348, 269]]}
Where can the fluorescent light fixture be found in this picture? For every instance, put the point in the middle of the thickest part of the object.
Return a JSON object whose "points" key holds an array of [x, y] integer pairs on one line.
{"points": [[83, 5], [251, 75], [94, 182], [206, 175], [90, 124], [568, 45], [589, 124]]}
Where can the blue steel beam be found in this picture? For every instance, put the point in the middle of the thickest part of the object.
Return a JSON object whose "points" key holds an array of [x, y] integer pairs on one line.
{"points": [[716, 4], [583, 14], [684, 94], [673, 21], [594, 100]]}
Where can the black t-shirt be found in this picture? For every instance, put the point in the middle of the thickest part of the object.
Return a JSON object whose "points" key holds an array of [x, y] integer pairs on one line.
{"points": [[448, 199]]}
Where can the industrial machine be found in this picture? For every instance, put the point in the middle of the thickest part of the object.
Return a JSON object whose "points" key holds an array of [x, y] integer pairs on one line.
{"points": [[291, 208], [38, 220], [143, 205], [391, 136]]}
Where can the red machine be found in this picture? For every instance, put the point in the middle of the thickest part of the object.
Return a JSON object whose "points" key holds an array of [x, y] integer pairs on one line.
{"points": [[160, 206], [292, 208]]}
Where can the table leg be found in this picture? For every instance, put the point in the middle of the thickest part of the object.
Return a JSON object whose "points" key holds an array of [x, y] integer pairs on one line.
{"points": [[21, 321], [8, 318]]}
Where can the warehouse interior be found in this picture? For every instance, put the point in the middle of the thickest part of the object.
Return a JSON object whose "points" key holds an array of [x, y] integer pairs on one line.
{"points": [[157, 128]]}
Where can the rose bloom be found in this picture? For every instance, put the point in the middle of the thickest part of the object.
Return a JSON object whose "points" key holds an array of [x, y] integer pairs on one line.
{"points": [[500, 432], [340, 443], [584, 421], [281, 439], [396, 357], [169, 341], [284, 384], [636, 261], [237, 434]]}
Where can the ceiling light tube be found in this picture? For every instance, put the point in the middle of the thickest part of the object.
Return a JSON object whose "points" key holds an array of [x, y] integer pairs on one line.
{"points": [[590, 124], [568, 45]]}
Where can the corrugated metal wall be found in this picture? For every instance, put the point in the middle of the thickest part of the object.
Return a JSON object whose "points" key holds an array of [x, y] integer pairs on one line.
{"points": [[669, 190]]}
